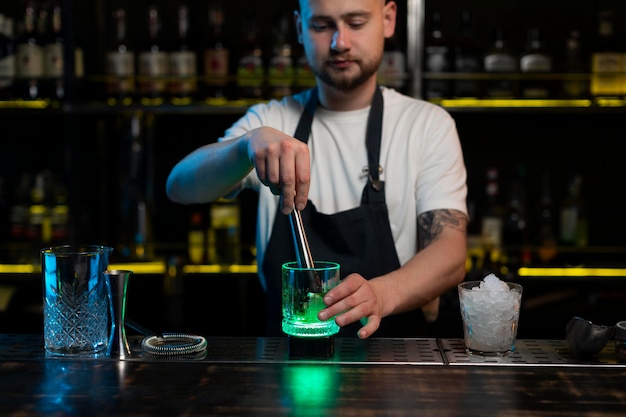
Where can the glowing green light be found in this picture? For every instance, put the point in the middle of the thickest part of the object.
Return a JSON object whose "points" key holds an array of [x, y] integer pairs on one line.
{"points": [[311, 388]]}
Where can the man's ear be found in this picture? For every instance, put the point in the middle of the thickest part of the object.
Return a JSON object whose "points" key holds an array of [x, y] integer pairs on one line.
{"points": [[297, 20], [389, 18]]}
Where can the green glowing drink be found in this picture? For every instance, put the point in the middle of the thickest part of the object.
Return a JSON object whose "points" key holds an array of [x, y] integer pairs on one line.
{"points": [[302, 298]]}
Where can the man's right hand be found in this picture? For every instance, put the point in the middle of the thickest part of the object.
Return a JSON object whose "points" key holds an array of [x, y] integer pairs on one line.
{"points": [[282, 163]]}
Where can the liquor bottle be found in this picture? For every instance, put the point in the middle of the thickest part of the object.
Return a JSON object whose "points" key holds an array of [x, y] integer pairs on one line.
{"points": [[437, 61], [501, 63], [575, 82], [606, 59], [573, 223], [5, 211], [573, 230], [515, 224], [60, 215], [53, 56], [29, 57], [535, 61], [216, 58], [183, 63], [18, 218], [153, 62], [492, 221], [392, 69], [281, 70], [224, 240], [7, 58], [467, 59], [120, 85], [195, 238], [39, 226], [250, 72], [304, 77], [546, 238]]}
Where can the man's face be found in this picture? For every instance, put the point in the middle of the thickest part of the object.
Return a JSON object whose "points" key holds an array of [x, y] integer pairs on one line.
{"points": [[344, 39]]}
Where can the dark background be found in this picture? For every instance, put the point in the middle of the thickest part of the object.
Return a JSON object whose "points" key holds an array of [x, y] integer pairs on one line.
{"points": [[89, 149]]}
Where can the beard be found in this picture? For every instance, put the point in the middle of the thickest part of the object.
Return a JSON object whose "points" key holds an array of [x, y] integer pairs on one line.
{"points": [[341, 81]]}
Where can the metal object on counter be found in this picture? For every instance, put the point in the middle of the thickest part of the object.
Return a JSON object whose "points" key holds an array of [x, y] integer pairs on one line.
{"points": [[117, 282], [586, 338], [170, 344], [620, 341]]}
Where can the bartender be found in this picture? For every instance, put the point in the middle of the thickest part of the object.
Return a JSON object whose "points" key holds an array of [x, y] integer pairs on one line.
{"points": [[378, 176]]}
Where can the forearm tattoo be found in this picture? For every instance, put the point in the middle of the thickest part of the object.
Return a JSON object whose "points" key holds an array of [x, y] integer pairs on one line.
{"points": [[431, 224]]}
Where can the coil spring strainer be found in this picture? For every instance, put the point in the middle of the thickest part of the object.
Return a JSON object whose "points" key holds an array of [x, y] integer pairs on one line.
{"points": [[174, 344]]}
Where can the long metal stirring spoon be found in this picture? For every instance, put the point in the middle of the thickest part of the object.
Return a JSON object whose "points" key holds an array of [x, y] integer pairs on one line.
{"points": [[303, 251]]}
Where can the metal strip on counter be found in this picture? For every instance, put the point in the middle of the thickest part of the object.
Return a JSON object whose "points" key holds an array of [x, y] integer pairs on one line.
{"points": [[374, 351]]}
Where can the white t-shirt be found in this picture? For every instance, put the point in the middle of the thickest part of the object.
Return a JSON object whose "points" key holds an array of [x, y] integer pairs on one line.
{"points": [[420, 154]]}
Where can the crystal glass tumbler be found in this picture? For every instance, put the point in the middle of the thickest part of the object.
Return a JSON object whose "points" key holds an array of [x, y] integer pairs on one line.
{"points": [[75, 299], [490, 317], [302, 298]]}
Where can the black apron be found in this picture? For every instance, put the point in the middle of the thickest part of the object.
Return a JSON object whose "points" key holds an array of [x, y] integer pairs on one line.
{"points": [[359, 239]]}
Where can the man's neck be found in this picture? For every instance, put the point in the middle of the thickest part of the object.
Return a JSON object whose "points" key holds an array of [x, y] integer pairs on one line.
{"points": [[337, 100]]}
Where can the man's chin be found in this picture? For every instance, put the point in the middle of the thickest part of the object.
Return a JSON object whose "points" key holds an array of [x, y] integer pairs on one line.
{"points": [[343, 83]]}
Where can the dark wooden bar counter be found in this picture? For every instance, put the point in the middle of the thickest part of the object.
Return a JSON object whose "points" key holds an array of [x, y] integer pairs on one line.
{"points": [[255, 376]]}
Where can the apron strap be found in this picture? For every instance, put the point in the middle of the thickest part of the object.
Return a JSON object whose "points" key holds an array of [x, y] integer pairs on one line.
{"points": [[306, 119], [373, 137]]}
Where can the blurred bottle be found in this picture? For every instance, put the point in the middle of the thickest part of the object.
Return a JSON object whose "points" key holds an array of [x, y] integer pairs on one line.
{"points": [[216, 58], [501, 63], [575, 68], [153, 62], [224, 240], [5, 213], [392, 70], [7, 58], [281, 68], [467, 59], [120, 63], [437, 60], [29, 56], [536, 62], [606, 59], [195, 238], [60, 215], [53, 56], [183, 63], [39, 227], [18, 220], [546, 238], [135, 222], [515, 225], [573, 230], [492, 221], [250, 71], [304, 77]]}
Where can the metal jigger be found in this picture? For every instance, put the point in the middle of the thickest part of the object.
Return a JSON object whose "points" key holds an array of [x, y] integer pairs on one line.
{"points": [[117, 282]]}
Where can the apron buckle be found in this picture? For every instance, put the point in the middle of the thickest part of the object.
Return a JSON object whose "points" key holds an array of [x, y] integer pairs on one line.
{"points": [[376, 183]]}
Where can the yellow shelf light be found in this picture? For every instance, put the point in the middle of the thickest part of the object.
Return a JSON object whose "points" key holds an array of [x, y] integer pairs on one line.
{"points": [[572, 272], [476, 102], [19, 269], [216, 269], [140, 267]]}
